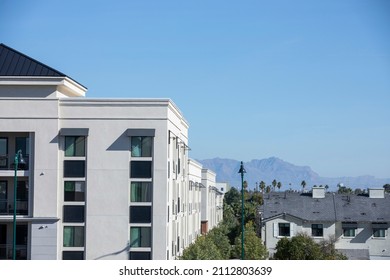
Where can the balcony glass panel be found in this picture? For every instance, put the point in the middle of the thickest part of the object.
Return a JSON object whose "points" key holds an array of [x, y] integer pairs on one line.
{"points": [[74, 168], [141, 169]]}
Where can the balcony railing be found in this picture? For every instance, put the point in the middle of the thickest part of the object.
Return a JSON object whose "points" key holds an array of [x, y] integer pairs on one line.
{"points": [[6, 208], [7, 164], [6, 252]]}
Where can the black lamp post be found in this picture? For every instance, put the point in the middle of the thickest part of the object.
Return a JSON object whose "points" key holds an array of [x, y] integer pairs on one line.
{"points": [[242, 171], [18, 161]]}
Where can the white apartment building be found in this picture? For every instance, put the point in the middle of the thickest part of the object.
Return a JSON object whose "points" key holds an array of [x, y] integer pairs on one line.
{"points": [[212, 201], [104, 178]]}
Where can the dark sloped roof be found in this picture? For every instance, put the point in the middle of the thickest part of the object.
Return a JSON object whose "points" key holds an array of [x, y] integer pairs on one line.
{"points": [[302, 206], [333, 207], [357, 208], [14, 63]]}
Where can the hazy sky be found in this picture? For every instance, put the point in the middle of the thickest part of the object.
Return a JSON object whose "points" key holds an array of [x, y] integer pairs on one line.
{"points": [[305, 81]]}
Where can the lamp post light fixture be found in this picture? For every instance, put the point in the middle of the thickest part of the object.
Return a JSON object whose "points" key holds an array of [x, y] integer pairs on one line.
{"points": [[18, 161], [242, 171]]}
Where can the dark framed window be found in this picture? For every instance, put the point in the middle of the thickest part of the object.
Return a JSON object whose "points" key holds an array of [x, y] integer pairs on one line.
{"points": [[284, 229], [140, 237], [22, 144], [74, 214], [349, 229], [22, 191], [3, 152], [141, 169], [141, 192], [73, 236], [379, 232], [72, 255], [140, 214], [74, 168], [317, 230], [139, 256], [3, 197], [74, 191], [141, 146], [21, 234], [349, 232], [74, 146]]}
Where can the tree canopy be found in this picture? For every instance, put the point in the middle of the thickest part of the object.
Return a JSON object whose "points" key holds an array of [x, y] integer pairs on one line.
{"points": [[303, 247]]}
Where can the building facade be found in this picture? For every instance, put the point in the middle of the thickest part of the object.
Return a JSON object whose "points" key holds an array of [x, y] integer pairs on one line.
{"points": [[212, 201], [97, 178], [358, 223]]}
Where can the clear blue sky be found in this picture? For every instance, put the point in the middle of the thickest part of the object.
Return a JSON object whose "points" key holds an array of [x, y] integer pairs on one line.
{"points": [[305, 81]]}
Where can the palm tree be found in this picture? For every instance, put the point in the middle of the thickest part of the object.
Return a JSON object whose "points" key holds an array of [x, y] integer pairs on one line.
{"points": [[262, 186], [279, 185], [268, 189], [274, 183], [303, 184]]}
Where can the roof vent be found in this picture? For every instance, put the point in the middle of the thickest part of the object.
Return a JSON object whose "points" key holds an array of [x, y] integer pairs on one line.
{"points": [[318, 192], [376, 193]]}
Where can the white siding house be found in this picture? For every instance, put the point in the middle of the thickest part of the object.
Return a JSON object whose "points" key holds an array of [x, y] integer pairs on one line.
{"points": [[359, 223]]}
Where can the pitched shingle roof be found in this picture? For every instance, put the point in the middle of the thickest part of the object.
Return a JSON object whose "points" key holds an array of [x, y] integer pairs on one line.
{"points": [[333, 207], [14, 63], [302, 206], [358, 208]]}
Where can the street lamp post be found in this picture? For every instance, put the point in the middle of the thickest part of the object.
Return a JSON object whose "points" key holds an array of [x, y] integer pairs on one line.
{"points": [[17, 156], [242, 171]]}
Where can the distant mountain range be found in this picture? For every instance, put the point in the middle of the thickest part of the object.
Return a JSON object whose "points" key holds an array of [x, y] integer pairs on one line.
{"points": [[288, 174]]}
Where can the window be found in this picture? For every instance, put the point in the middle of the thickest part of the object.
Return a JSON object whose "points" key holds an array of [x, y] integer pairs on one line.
{"points": [[3, 197], [141, 146], [317, 230], [379, 229], [73, 236], [22, 144], [139, 256], [349, 232], [141, 192], [141, 169], [72, 255], [379, 232], [74, 146], [3, 152], [349, 229], [140, 214], [284, 229], [74, 168], [74, 191], [140, 237], [74, 213]]}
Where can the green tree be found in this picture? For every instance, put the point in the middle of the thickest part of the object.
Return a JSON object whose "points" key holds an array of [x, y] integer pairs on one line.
{"points": [[219, 237], [343, 189], [262, 186], [358, 191], [202, 249], [387, 188], [253, 245], [299, 247], [303, 184], [257, 198], [329, 251], [232, 196], [303, 247], [274, 183], [268, 189], [279, 185]]}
